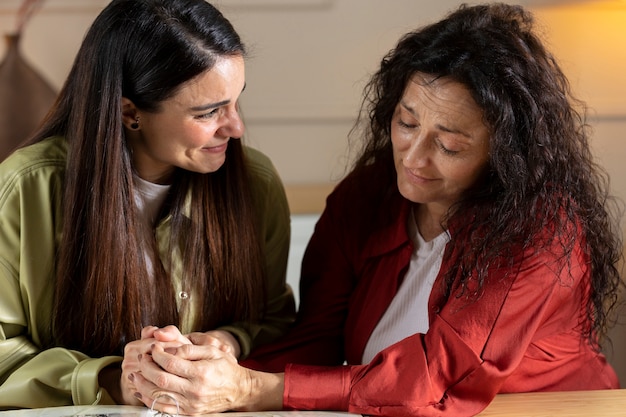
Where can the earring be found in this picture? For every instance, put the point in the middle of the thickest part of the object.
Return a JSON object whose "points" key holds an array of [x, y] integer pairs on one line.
{"points": [[135, 125]]}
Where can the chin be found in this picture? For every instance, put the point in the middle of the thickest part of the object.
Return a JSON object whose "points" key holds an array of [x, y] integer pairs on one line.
{"points": [[407, 191]]}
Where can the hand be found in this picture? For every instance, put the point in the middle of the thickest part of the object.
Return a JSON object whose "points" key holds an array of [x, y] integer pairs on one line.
{"points": [[203, 379], [168, 336], [221, 339]]}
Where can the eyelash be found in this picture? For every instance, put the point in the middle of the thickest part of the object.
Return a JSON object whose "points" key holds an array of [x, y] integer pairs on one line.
{"points": [[439, 144], [446, 150], [208, 115], [405, 125]]}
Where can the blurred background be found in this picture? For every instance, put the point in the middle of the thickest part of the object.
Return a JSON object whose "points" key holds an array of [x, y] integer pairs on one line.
{"points": [[310, 59]]}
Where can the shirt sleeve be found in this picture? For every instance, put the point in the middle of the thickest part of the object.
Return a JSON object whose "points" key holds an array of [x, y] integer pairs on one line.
{"points": [[31, 375], [49, 378]]}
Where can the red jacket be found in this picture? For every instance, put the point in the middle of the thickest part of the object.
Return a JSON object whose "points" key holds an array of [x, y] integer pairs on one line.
{"points": [[522, 334]]}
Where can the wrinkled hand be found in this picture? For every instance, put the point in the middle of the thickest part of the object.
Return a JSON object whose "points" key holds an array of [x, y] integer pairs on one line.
{"points": [[202, 379], [151, 336], [221, 339]]}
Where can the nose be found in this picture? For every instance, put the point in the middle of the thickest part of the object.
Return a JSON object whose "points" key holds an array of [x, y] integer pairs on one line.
{"points": [[233, 126], [418, 153]]}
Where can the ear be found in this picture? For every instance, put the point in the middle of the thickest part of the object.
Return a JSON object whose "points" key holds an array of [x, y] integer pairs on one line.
{"points": [[130, 113]]}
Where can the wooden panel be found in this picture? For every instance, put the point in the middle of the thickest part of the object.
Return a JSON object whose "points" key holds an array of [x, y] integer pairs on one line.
{"points": [[605, 403], [307, 198]]}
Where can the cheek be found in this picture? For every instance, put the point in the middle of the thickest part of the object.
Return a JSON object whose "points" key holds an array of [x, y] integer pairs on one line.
{"points": [[467, 175], [197, 134], [399, 142]]}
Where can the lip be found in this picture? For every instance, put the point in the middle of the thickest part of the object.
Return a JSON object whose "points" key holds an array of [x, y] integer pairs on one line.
{"points": [[216, 149], [417, 179]]}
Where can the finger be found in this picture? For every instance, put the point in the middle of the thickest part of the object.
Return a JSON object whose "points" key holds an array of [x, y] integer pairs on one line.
{"points": [[167, 403], [223, 340], [170, 403], [133, 351], [149, 394], [148, 331], [170, 334], [153, 382], [128, 389], [177, 361], [190, 353], [208, 340], [166, 371], [198, 338]]}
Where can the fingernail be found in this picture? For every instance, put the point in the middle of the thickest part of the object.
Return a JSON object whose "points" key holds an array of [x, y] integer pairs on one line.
{"points": [[171, 351], [131, 377], [138, 395]]}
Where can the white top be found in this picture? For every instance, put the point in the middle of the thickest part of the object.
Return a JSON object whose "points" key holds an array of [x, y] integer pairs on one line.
{"points": [[149, 198], [408, 312]]}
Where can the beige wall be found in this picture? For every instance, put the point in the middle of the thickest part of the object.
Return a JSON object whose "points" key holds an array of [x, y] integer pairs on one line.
{"points": [[310, 59]]}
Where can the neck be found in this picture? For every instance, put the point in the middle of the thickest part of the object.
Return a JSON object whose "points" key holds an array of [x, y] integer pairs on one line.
{"points": [[429, 222]]}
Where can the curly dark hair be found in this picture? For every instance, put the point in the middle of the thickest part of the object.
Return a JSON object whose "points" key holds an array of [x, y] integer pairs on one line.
{"points": [[541, 171]]}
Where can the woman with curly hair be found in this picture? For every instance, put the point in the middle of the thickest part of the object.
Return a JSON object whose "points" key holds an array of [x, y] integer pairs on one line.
{"points": [[471, 250]]}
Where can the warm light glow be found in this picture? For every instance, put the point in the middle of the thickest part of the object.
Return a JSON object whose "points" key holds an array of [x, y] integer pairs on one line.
{"points": [[596, 4], [589, 40]]}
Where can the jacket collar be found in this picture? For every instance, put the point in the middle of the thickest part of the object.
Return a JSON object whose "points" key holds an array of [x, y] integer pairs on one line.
{"points": [[393, 232]]}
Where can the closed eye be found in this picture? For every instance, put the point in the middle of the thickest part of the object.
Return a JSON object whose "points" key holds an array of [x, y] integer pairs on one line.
{"points": [[406, 125], [445, 150], [208, 115]]}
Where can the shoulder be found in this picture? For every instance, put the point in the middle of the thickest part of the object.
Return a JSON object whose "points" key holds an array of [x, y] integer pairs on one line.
{"points": [[365, 213], [266, 187], [51, 151], [33, 167], [260, 167], [369, 193]]}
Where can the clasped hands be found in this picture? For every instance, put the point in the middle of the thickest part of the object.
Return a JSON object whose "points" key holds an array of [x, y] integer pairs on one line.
{"points": [[196, 373]]}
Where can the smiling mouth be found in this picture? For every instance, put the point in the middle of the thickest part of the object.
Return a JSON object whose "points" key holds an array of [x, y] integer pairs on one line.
{"points": [[417, 178], [216, 149]]}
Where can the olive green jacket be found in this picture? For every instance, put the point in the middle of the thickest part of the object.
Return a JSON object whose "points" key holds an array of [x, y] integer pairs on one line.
{"points": [[31, 185]]}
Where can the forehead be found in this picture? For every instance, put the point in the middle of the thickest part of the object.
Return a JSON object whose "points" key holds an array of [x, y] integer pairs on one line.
{"points": [[443, 96], [427, 87], [224, 81]]}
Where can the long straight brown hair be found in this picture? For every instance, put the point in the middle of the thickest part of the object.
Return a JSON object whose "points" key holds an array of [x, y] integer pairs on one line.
{"points": [[145, 50]]}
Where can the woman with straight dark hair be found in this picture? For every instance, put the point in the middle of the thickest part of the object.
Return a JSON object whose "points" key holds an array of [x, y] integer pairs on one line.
{"points": [[135, 207], [472, 250]]}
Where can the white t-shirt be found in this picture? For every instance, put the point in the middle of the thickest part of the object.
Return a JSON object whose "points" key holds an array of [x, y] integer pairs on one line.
{"points": [[149, 198], [408, 312]]}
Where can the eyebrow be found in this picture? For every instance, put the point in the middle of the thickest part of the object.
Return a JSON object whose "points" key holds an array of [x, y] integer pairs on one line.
{"points": [[440, 127], [210, 106]]}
